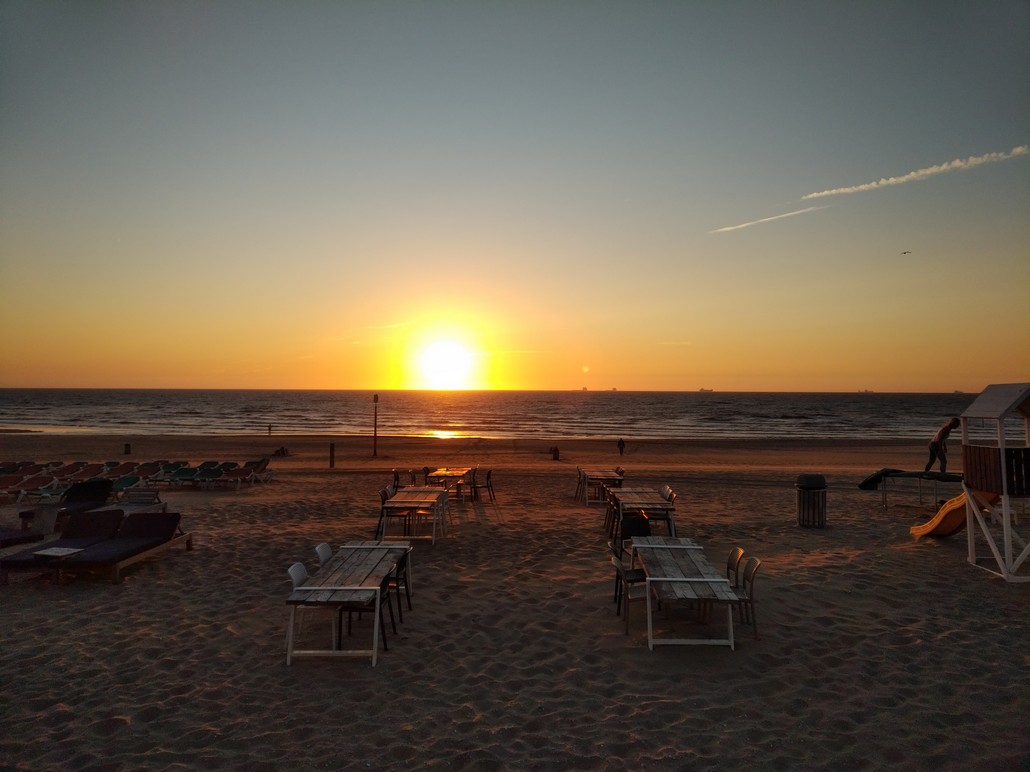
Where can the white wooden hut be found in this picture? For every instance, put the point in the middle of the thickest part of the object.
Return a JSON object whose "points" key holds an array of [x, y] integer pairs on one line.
{"points": [[996, 470]]}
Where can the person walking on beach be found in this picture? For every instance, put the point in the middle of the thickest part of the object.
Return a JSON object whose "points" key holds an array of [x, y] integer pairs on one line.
{"points": [[622, 446], [939, 444]]}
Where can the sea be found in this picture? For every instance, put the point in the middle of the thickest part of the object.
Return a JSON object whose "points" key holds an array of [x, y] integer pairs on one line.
{"points": [[487, 414]]}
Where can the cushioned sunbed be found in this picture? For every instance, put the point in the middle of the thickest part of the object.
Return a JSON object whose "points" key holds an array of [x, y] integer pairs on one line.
{"points": [[82, 530], [9, 537], [80, 497], [141, 535]]}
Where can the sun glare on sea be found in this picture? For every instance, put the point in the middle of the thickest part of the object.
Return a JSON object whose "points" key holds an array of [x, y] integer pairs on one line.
{"points": [[445, 364]]}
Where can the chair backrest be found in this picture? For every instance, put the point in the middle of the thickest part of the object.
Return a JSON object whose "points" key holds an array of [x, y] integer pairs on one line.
{"points": [[620, 471], [383, 495], [489, 477], [733, 565], [324, 552], [748, 582], [671, 497], [89, 490], [665, 490], [298, 574], [396, 479], [126, 481], [633, 524]]}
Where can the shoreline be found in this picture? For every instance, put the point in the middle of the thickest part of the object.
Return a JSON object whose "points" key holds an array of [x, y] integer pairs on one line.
{"points": [[839, 457]]}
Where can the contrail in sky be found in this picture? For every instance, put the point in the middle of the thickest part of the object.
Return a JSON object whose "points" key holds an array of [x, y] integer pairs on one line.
{"points": [[767, 219], [921, 174]]}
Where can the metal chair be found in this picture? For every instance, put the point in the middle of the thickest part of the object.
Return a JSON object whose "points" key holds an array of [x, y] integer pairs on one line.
{"points": [[299, 576], [398, 581], [487, 486], [746, 594], [733, 566], [732, 574], [628, 579], [664, 515], [387, 514]]}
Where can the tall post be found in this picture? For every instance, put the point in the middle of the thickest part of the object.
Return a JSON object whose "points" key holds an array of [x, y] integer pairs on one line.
{"points": [[375, 422]]}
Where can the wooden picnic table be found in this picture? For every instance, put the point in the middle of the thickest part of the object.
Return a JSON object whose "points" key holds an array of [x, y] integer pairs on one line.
{"points": [[421, 497], [648, 499], [676, 570], [354, 578], [597, 480], [451, 478]]}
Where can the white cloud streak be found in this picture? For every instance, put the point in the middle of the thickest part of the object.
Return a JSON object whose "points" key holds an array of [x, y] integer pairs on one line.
{"points": [[921, 174], [729, 228]]}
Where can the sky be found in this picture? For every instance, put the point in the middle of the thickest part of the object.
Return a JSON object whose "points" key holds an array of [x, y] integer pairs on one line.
{"points": [[642, 195]]}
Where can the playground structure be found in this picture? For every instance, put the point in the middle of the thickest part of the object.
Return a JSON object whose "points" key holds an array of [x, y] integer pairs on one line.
{"points": [[996, 471]]}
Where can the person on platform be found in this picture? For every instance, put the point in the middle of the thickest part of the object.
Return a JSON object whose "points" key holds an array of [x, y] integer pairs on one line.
{"points": [[939, 445]]}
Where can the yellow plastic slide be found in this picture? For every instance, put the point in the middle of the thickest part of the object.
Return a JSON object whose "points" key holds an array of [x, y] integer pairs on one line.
{"points": [[950, 518]]}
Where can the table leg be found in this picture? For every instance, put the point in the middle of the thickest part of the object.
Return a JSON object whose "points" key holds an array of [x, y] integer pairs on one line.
{"points": [[289, 635], [729, 623], [650, 624], [375, 627]]}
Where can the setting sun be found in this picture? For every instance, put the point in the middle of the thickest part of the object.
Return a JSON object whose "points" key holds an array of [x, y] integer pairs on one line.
{"points": [[446, 364]]}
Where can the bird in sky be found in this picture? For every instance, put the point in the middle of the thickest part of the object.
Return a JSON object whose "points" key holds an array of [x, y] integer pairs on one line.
{"points": [[906, 252]]}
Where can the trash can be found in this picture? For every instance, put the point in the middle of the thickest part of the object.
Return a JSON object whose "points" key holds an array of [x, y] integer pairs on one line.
{"points": [[811, 498]]}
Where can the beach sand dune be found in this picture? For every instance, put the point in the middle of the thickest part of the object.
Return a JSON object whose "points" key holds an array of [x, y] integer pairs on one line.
{"points": [[876, 651]]}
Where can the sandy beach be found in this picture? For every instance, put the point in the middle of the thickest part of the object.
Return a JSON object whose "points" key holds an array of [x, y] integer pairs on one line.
{"points": [[876, 650]]}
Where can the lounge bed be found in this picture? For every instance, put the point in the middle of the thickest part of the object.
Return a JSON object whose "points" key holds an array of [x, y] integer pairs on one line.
{"points": [[80, 497], [10, 537], [82, 530], [142, 535]]}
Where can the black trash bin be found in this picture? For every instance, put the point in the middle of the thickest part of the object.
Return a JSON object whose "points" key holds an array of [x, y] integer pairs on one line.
{"points": [[811, 499]]}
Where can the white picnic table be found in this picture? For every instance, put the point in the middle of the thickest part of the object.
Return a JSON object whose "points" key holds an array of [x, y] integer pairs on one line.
{"points": [[676, 569], [355, 577]]}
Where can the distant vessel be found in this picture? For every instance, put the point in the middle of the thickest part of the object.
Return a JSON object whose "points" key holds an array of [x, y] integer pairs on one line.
{"points": [[705, 390], [866, 391]]}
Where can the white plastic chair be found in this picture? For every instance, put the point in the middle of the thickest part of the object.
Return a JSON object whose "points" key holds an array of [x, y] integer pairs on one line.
{"points": [[299, 576], [324, 552]]}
